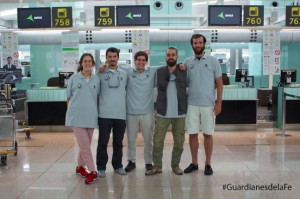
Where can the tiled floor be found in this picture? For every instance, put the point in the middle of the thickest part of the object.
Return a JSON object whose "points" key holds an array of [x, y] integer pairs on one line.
{"points": [[45, 165]]}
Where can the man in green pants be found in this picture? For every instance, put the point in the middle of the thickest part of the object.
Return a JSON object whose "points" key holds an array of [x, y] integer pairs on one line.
{"points": [[171, 106]]}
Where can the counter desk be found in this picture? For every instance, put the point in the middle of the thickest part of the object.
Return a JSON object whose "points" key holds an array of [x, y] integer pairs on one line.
{"points": [[239, 108], [46, 108], [292, 118]]}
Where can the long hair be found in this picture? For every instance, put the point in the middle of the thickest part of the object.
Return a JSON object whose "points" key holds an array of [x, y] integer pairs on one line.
{"points": [[80, 68]]}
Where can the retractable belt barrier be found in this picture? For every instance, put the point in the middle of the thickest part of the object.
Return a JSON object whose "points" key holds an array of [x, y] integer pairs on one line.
{"points": [[284, 95]]}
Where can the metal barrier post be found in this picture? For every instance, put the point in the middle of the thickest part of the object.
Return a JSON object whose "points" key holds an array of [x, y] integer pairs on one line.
{"points": [[282, 134]]}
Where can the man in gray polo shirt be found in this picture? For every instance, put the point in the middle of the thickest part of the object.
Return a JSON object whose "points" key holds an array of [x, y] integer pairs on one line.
{"points": [[140, 105], [112, 113], [205, 76]]}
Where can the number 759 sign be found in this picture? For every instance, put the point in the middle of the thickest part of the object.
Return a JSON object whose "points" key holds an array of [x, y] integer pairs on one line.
{"points": [[104, 16]]}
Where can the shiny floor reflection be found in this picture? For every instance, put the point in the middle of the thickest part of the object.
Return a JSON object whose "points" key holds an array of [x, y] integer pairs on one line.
{"points": [[247, 164]]}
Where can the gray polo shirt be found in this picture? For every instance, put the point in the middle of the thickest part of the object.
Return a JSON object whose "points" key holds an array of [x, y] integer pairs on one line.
{"points": [[112, 94], [172, 100], [201, 81], [82, 109], [140, 91]]}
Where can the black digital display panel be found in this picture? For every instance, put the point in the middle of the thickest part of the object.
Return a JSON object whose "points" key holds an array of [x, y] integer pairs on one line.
{"points": [[292, 16], [253, 15], [224, 15], [288, 76], [241, 75], [34, 17], [133, 15], [63, 78]]}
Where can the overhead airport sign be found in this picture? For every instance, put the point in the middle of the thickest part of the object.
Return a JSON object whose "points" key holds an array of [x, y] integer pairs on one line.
{"points": [[138, 15], [34, 17], [253, 15], [224, 15], [292, 16], [62, 17], [104, 16]]}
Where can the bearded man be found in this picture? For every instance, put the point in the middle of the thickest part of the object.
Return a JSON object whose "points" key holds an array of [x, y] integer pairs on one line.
{"points": [[204, 77]]}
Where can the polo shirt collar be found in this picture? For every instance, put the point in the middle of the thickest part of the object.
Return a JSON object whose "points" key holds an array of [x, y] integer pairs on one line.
{"points": [[203, 57], [83, 77], [146, 70], [108, 70]]}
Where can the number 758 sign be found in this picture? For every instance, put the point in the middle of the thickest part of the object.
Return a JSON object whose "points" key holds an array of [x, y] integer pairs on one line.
{"points": [[62, 17]]}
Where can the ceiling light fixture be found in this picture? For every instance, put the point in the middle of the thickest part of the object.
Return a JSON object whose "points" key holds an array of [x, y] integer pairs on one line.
{"points": [[8, 12], [204, 3]]}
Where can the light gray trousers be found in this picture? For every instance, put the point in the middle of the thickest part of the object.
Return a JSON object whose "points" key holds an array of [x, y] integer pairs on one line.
{"points": [[145, 122]]}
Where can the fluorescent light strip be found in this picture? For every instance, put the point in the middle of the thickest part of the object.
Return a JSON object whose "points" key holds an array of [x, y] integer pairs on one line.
{"points": [[37, 30], [204, 3], [8, 12]]}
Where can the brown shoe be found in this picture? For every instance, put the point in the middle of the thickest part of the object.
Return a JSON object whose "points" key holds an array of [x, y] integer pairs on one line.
{"points": [[177, 170], [153, 171]]}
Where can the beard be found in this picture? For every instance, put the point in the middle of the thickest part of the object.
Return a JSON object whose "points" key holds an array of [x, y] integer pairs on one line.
{"points": [[112, 63], [199, 51], [171, 62]]}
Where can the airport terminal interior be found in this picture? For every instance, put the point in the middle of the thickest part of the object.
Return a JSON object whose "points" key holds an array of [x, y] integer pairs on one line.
{"points": [[256, 151]]}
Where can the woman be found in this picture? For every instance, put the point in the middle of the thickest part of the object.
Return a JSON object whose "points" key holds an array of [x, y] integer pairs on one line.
{"points": [[82, 114]]}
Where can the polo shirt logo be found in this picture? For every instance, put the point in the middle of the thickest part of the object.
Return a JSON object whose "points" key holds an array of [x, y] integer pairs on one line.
{"points": [[79, 85]]}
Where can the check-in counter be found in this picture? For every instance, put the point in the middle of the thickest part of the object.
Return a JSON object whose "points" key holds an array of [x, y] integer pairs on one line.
{"points": [[239, 106], [292, 118], [46, 108]]}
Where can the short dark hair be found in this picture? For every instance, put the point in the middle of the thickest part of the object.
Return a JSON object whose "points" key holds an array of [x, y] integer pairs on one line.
{"points": [[113, 50], [173, 48], [141, 53], [195, 36], [9, 57], [80, 68]]}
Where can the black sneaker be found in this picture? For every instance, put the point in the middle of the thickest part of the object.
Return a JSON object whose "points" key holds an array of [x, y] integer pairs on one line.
{"points": [[148, 167], [191, 168], [208, 170], [130, 166]]}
